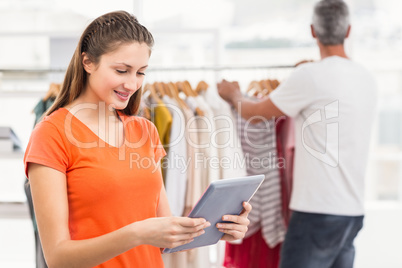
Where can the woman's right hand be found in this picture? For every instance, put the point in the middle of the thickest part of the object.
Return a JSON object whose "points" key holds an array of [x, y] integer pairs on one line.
{"points": [[169, 232]]}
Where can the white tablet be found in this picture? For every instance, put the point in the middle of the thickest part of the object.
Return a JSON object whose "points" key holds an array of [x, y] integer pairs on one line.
{"points": [[222, 197]]}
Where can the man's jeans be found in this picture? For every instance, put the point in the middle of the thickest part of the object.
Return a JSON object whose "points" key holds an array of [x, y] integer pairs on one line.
{"points": [[320, 241]]}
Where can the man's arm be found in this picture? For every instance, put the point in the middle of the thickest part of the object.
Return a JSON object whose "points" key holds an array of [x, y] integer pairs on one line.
{"points": [[230, 92]]}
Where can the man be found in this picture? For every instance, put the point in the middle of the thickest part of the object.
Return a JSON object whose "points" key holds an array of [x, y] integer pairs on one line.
{"points": [[332, 102]]}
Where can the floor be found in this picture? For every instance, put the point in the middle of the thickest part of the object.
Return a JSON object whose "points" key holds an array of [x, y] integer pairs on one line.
{"points": [[378, 244]]}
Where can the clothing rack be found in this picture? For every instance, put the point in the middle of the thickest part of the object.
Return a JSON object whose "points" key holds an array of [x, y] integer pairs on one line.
{"points": [[42, 74]]}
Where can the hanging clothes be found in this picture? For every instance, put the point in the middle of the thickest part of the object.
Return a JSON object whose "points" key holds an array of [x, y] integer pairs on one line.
{"points": [[226, 137], [230, 153], [192, 173], [199, 257], [285, 142], [219, 144], [196, 175], [197, 186], [162, 120], [41, 107], [259, 148], [211, 158], [176, 159], [252, 253]]}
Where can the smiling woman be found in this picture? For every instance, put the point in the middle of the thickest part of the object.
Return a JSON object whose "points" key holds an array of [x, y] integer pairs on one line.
{"points": [[85, 190], [110, 39], [117, 76]]}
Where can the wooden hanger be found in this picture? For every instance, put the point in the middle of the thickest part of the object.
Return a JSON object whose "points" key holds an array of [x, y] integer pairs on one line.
{"points": [[274, 83], [174, 91], [145, 90], [146, 112], [151, 89], [201, 87], [253, 88], [145, 94], [184, 87], [190, 88], [199, 112], [192, 92], [265, 84], [166, 89], [180, 88], [266, 88], [159, 89]]}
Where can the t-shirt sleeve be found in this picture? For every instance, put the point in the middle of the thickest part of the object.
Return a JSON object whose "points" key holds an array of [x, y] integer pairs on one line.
{"points": [[159, 151], [295, 93], [46, 147]]}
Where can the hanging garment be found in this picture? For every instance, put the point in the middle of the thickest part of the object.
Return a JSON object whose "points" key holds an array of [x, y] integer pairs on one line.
{"points": [[200, 257], [225, 138], [259, 148], [41, 107], [162, 119], [211, 159], [183, 259], [252, 253], [176, 159], [197, 185], [175, 260], [285, 142], [194, 171]]}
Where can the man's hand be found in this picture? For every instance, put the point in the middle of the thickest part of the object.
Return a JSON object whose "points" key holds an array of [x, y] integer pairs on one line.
{"points": [[302, 62], [229, 91]]}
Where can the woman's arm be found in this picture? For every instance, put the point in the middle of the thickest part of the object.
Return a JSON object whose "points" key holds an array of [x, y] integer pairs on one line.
{"points": [[49, 192], [163, 206]]}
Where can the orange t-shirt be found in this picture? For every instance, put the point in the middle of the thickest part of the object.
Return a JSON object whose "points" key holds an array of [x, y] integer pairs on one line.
{"points": [[107, 187]]}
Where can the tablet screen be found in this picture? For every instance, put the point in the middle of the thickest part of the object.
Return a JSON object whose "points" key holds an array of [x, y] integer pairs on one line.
{"points": [[222, 197]]}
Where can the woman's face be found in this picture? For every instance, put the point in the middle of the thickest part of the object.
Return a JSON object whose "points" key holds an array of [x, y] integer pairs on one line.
{"points": [[117, 76]]}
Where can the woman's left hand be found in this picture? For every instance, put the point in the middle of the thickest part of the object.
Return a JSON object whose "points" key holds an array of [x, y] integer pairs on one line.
{"points": [[237, 227]]}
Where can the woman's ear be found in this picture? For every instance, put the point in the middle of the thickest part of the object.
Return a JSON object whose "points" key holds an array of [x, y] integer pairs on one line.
{"points": [[87, 63]]}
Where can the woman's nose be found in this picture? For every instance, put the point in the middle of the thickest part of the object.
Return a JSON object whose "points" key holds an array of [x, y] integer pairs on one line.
{"points": [[132, 84]]}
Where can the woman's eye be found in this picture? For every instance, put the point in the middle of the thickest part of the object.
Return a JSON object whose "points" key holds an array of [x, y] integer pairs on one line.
{"points": [[121, 71], [141, 73]]}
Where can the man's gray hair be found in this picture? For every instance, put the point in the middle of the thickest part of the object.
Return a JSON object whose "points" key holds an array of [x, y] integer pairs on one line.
{"points": [[331, 21]]}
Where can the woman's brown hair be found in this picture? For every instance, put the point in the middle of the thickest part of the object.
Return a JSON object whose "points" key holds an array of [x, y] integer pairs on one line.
{"points": [[105, 34]]}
